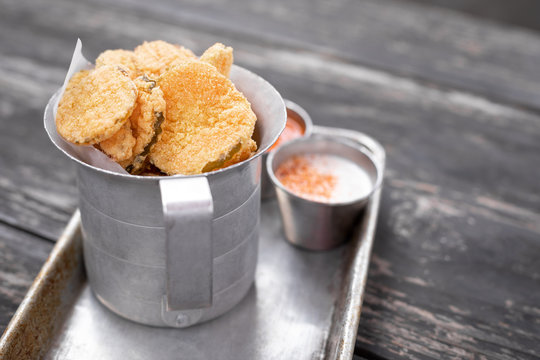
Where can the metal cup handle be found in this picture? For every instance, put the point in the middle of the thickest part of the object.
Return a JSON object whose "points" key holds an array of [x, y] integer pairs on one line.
{"points": [[188, 211]]}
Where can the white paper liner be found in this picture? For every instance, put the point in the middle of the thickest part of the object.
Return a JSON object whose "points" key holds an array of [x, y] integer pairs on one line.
{"points": [[85, 153]]}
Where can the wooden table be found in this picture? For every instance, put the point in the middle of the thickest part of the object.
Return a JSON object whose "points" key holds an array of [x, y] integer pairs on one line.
{"points": [[455, 271]]}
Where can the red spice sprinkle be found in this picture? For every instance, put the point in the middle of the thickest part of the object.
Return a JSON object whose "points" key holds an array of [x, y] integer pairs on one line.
{"points": [[303, 179]]}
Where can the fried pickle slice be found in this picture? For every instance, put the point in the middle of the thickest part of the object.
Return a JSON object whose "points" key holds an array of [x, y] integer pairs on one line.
{"points": [[131, 144], [208, 120], [120, 57], [155, 57], [247, 149], [150, 107], [119, 147], [220, 56], [95, 105], [146, 121], [242, 151]]}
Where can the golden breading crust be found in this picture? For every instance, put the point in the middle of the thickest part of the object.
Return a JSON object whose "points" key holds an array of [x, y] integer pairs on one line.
{"points": [[155, 57], [208, 120], [247, 149], [95, 105], [220, 56], [150, 107], [131, 144], [123, 58], [119, 147], [146, 121]]}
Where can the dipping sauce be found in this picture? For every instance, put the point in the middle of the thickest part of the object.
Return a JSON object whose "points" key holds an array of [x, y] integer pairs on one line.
{"points": [[293, 129], [324, 178]]}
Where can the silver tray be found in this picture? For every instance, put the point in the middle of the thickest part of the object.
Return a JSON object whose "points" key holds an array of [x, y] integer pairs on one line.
{"points": [[304, 305]]}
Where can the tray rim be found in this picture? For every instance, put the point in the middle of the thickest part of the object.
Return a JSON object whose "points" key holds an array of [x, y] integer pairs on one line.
{"points": [[55, 275], [346, 321], [355, 280]]}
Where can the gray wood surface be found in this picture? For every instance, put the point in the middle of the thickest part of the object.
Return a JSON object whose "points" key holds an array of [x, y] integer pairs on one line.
{"points": [[456, 266], [21, 257], [432, 45]]}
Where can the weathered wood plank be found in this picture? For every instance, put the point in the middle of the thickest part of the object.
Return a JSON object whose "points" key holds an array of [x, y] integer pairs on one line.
{"points": [[520, 13], [21, 257], [428, 43], [358, 357], [452, 277], [37, 190], [37, 184]]}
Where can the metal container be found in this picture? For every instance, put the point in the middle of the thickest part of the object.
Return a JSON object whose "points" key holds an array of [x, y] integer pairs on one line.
{"points": [[318, 225], [297, 113], [177, 250], [318, 295]]}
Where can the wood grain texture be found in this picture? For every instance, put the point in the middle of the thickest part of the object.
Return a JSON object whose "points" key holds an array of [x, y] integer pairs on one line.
{"points": [[458, 280], [357, 357], [456, 269], [21, 257], [427, 43]]}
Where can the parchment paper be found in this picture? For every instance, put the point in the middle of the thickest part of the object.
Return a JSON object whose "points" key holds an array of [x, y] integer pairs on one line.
{"points": [[87, 154]]}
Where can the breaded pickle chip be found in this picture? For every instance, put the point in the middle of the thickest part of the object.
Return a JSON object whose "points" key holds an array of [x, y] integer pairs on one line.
{"points": [[131, 144], [155, 57], [248, 148], [149, 109], [119, 147], [146, 121], [244, 149], [208, 120], [220, 56], [95, 105], [123, 58]]}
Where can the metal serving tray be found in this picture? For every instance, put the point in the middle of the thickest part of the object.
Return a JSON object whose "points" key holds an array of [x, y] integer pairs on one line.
{"points": [[304, 305]]}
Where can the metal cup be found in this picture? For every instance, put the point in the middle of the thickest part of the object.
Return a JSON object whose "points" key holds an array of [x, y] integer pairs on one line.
{"points": [[318, 225], [178, 250], [298, 113]]}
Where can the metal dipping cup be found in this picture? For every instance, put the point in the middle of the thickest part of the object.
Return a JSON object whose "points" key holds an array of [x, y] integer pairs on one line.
{"points": [[298, 113], [318, 225], [174, 251]]}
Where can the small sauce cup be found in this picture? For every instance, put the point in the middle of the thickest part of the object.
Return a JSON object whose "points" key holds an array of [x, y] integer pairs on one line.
{"points": [[319, 224], [302, 126]]}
